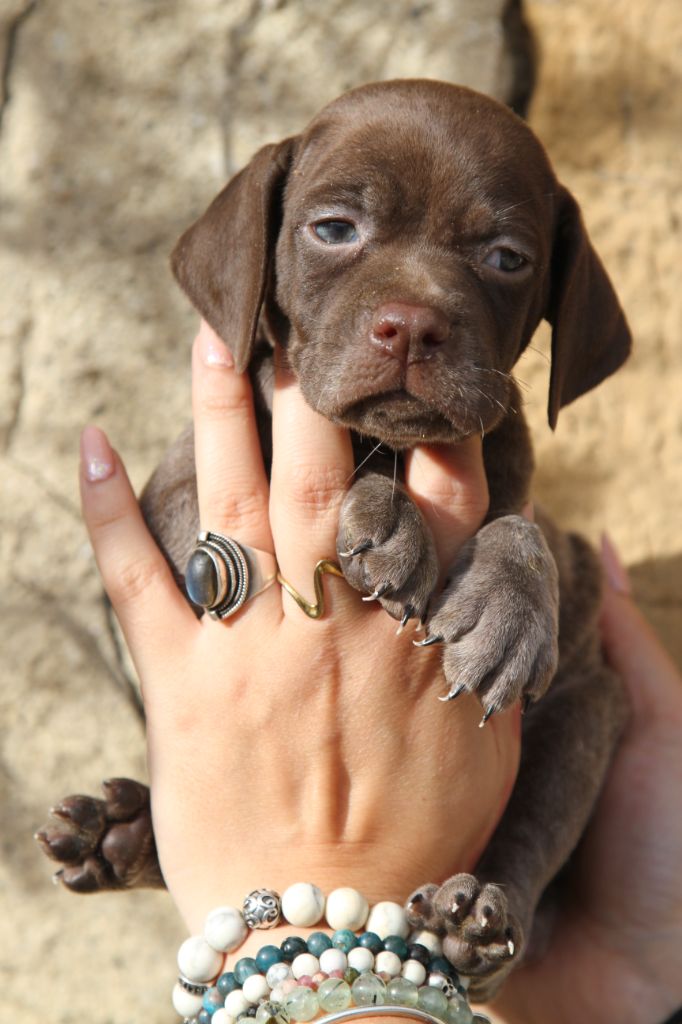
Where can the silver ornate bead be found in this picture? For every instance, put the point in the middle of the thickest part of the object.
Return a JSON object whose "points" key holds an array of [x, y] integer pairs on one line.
{"points": [[445, 984], [262, 908]]}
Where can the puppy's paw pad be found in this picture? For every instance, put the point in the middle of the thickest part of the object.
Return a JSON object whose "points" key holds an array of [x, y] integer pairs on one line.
{"points": [[103, 844], [482, 937], [385, 548], [420, 910]]}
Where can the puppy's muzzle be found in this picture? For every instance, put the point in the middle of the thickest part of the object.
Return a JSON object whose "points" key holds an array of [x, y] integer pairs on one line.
{"points": [[408, 333]]}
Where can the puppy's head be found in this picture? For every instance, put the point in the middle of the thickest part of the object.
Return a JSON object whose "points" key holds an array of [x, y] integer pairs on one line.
{"points": [[403, 250]]}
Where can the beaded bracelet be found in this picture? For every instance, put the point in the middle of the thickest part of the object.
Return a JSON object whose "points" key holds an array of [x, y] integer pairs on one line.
{"points": [[344, 975]]}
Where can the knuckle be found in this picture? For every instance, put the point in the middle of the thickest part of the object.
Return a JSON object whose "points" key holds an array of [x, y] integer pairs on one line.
{"points": [[468, 506], [106, 519], [132, 580], [218, 405], [474, 507], [316, 489], [244, 508]]}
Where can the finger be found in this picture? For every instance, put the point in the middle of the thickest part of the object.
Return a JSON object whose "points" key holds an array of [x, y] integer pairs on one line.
{"points": [[449, 485], [312, 468], [633, 648], [231, 481], [137, 579]]}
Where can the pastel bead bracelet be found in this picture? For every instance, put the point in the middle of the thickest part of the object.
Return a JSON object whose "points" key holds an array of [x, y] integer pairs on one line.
{"points": [[383, 969]]}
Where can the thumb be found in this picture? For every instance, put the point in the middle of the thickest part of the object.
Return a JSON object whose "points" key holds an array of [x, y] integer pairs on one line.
{"points": [[632, 648]]}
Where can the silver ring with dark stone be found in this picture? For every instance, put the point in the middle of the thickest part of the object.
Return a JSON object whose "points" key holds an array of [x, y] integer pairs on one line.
{"points": [[222, 574]]}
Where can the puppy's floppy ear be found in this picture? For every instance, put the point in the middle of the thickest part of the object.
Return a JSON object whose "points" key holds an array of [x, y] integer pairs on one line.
{"points": [[590, 337], [221, 261]]}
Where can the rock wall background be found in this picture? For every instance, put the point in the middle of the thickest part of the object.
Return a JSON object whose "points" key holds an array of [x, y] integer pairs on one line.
{"points": [[118, 122]]}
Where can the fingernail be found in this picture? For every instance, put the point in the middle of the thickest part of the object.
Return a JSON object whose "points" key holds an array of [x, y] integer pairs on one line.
{"points": [[97, 457], [613, 567], [528, 511], [214, 352]]}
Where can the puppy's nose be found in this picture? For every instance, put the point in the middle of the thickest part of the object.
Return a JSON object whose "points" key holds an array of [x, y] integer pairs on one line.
{"points": [[407, 332]]}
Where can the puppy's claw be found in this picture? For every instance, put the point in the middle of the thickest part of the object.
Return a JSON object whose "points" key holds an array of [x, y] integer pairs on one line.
{"points": [[428, 641], [379, 592], [454, 693], [489, 711], [358, 549], [511, 947], [409, 612]]}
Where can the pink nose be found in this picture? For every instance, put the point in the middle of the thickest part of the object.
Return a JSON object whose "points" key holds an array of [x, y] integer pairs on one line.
{"points": [[407, 332]]}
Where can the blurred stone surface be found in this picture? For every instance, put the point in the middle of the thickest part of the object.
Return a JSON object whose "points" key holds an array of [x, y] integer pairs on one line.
{"points": [[119, 122]]}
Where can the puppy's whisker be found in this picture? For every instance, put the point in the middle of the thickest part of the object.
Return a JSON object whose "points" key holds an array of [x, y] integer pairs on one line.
{"points": [[366, 459], [524, 202], [491, 369], [543, 355], [488, 398]]}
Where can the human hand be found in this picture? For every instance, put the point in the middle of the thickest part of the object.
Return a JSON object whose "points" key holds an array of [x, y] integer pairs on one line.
{"points": [[617, 938], [281, 748]]}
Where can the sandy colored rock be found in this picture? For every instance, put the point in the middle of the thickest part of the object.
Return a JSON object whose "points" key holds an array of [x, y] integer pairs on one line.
{"points": [[119, 123]]}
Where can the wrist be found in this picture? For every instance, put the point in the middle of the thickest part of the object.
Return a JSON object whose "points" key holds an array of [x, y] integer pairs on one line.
{"points": [[299, 971]]}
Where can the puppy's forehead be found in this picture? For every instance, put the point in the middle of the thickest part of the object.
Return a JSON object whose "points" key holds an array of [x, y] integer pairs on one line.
{"points": [[407, 141]]}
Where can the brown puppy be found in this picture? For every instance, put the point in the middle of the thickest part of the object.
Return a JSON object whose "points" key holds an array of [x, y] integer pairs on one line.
{"points": [[402, 251]]}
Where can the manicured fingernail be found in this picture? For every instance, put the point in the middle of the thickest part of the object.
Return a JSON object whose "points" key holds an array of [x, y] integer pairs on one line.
{"points": [[97, 457], [214, 352], [613, 567]]}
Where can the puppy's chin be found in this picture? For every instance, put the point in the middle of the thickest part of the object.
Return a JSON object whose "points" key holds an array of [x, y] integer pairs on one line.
{"points": [[401, 421]]}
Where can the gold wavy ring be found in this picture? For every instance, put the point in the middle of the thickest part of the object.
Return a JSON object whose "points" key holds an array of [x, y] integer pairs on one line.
{"points": [[316, 610]]}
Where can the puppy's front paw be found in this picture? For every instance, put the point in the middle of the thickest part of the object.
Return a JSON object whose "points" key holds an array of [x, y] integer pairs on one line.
{"points": [[482, 938], [104, 844], [498, 616], [385, 547]]}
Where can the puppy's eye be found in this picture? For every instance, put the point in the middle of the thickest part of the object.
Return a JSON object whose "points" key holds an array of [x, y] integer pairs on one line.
{"points": [[335, 232], [506, 260]]}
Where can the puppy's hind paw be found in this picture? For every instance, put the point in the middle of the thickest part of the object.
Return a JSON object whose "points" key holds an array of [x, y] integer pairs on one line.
{"points": [[103, 844], [482, 937], [421, 912]]}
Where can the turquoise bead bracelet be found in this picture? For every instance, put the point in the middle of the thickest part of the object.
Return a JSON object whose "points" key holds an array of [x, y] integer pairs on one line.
{"points": [[275, 986], [367, 965]]}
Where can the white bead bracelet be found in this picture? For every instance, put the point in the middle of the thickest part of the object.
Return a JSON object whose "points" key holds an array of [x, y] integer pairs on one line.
{"points": [[383, 970]]}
